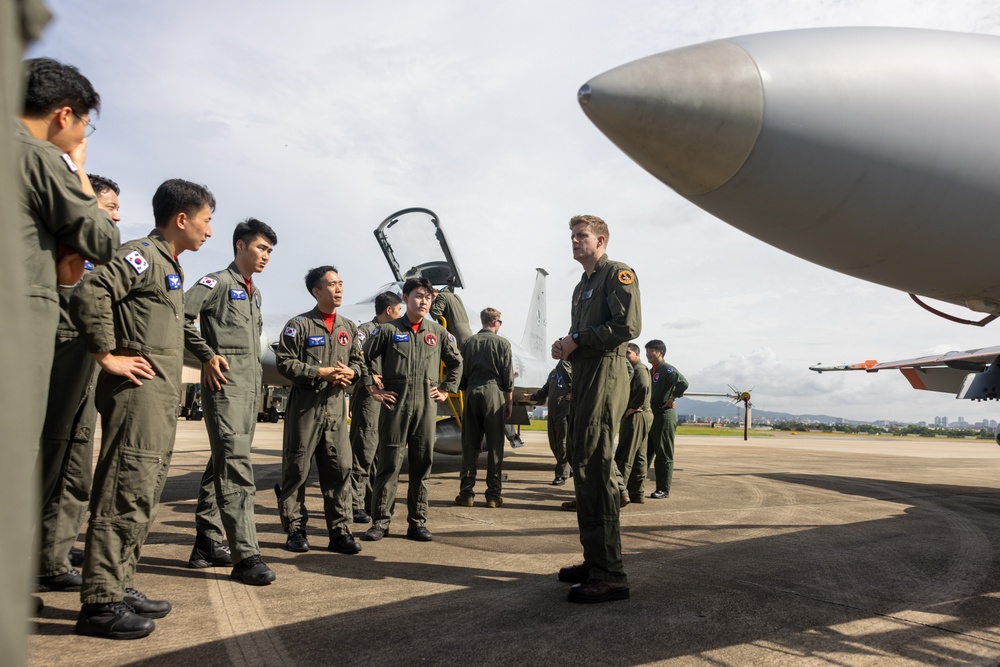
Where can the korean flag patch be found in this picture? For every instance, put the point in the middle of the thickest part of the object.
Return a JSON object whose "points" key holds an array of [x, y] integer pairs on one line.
{"points": [[208, 282], [238, 294], [290, 332], [173, 281], [137, 261], [361, 335]]}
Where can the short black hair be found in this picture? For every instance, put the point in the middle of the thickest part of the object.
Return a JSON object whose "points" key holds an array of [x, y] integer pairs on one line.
{"points": [[315, 275], [386, 300], [250, 229], [103, 184], [633, 347], [179, 196], [51, 85], [413, 283], [657, 345]]}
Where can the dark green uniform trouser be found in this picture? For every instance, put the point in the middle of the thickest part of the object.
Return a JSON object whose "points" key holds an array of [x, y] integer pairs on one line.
{"points": [[631, 452], [138, 425], [66, 453], [660, 449], [364, 447], [557, 426], [227, 494], [408, 428], [483, 416], [328, 442], [600, 393]]}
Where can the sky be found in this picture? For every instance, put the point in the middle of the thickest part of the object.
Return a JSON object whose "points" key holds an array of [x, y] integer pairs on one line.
{"points": [[323, 118]]}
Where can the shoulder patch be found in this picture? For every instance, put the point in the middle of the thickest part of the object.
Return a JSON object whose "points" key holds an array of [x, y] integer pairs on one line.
{"points": [[137, 261], [361, 335], [173, 281], [88, 265], [208, 282], [375, 330], [452, 340], [290, 332], [69, 162], [300, 318], [626, 277], [431, 339]]}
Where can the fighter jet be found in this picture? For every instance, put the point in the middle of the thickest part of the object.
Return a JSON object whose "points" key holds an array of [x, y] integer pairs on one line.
{"points": [[414, 238], [870, 151]]}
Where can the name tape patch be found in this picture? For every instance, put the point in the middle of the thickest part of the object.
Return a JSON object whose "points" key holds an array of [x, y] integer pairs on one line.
{"points": [[316, 341], [240, 294], [401, 338]]}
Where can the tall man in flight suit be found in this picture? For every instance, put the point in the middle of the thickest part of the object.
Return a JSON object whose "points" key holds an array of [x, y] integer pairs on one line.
{"points": [[449, 305], [606, 315], [667, 385], [320, 353], [631, 452], [411, 350], [68, 436], [364, 412], [488, 382], [130, 314], [557, 390], [226, 304]]}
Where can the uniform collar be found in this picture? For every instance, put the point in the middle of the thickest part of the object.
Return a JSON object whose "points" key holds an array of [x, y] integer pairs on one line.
{"points": [[161, 244], [317, 315], [601, 262]]}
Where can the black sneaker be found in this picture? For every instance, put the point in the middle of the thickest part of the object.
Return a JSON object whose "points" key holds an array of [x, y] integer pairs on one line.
{"points": [[659, 494], [575, 574], [209, 553], [345, 544], [253, 572], [67, 581], [76, 557], [375, 533], [361, 516], [297, 542], [419, 534], [143, 606], [114, 620], [559, 480]]}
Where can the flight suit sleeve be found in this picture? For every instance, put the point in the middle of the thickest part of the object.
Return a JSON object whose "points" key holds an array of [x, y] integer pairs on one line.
{"points": [[374, 347], [288, 356], [622, 298], [437, 308], [680, 386], [639, 389], [452, 359], [542, 394], [356, 361], [91, 307], [68, 213], [198, 300], [506, 367], [464, 382]]}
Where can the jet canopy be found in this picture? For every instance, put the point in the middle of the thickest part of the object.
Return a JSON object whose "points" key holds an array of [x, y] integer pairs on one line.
{"points": [[413, 242]]}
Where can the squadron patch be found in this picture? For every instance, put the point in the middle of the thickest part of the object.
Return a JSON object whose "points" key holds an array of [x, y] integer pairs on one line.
{"points": [[451, 339], [431, 339], [173, 281], [137, 261], [626, 277], [208, 282], [290, 332], [88, 265], [343, 338]]}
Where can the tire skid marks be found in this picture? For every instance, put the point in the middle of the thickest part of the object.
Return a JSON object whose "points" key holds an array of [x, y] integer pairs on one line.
{"points": [[245, 629]]}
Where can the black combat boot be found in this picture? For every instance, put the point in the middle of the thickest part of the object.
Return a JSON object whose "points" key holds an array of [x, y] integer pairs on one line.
{"points": [[114, 620], [209, 553]]}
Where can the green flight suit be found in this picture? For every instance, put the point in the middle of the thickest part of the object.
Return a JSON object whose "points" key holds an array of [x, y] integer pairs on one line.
{"points": [[21, 22], [606, 315], [450, 306], [631, 452], [557, 390], [487, 376], [53, 208], [230, 325], [667, 384], [364, 431], [132, 306], [316, 419], [411, 362], [67, 443]]}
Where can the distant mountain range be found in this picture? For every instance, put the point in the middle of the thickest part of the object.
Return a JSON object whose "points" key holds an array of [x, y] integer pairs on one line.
{"points": [[708, 410]]}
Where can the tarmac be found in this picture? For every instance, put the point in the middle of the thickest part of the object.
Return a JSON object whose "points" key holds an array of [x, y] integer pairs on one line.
{"points": [[785, 550]]}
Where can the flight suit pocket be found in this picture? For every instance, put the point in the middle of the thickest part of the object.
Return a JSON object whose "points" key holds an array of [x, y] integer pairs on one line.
{"points": [[139, 474]]}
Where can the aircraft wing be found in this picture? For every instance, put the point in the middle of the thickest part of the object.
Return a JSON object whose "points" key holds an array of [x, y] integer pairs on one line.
{"points": [[955, 372]]}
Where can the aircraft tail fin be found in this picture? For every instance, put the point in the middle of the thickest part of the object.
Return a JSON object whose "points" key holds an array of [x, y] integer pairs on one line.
{"points": [[535, 336]]}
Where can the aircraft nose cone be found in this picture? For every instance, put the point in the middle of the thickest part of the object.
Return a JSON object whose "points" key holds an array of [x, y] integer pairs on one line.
{"points": [[690, 116]]}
